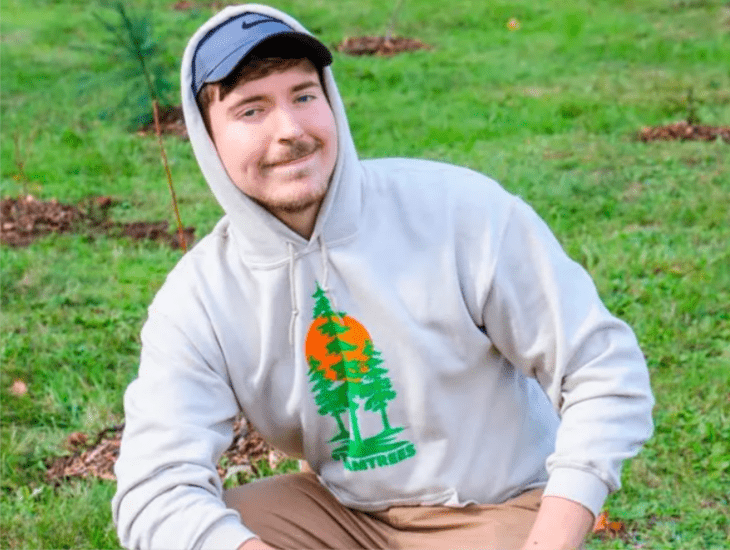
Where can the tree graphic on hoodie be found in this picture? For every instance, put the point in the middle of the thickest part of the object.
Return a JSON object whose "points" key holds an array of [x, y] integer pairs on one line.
{"points": [[330, 397], [380, 390], [347, 376]]}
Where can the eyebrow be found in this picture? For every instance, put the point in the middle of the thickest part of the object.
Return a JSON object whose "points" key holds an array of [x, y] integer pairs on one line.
{"points": [[244, 101], [305, 85], [252, 99]]}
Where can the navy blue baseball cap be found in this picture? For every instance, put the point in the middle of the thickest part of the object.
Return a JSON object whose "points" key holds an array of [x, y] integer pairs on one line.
{"points": [[224, 46]]}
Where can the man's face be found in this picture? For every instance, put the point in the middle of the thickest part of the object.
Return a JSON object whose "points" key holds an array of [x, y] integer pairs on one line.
{"points": [[277, 139]]}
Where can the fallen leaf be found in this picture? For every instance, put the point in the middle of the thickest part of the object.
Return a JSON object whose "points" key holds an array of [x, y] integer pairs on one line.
{"points": [[19, 388], [605, 526], [601, 521]]}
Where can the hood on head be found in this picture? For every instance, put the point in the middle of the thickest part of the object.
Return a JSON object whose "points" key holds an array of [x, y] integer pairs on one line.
{"points": [[264, 239]]}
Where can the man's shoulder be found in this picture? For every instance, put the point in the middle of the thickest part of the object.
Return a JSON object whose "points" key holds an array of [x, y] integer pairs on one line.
{"points": [[207, 248], [432, 180], [440, 198], [205, 261], [420, 166]]}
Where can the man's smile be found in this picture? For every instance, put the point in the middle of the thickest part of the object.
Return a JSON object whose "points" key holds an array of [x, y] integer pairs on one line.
{"points": [[301, 152]]}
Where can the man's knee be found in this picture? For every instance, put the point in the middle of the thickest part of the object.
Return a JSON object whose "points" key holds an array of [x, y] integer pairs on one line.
{"points": [[297, 511]]}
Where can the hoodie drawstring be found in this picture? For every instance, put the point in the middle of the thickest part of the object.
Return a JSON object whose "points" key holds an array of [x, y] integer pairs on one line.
{"points": [[292, 296], [293, 285], [325, 271]]}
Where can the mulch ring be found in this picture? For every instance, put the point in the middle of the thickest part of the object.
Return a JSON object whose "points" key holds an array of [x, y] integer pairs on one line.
{"points": [[172, 122], [25, 219], [246, 450], [157, 231], [186, 5], [87, 459], [685, 131], [96, 459], [380, 45]]}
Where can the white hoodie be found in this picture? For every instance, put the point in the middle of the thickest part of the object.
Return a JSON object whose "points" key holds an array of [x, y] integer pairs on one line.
{"points": [[430, 343]]}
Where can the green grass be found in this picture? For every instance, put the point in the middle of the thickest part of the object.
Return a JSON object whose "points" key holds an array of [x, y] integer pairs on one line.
{"points": [[550, 110]]}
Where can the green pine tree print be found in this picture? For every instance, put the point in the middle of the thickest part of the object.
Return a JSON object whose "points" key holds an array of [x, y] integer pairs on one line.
{"points": [[347, 377]]}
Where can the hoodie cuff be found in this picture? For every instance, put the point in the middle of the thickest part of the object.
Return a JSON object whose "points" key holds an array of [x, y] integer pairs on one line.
{"points": [[228, 535], [579, 486]]}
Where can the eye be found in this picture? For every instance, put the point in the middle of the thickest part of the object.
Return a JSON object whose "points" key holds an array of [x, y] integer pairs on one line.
{"points": [[248, 113], [306, 98]]}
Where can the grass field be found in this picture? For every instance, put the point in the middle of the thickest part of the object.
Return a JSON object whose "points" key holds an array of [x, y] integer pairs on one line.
{"points": [[549, 109]]}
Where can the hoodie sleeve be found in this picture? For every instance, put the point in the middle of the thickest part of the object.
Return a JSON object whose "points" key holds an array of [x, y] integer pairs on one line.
{"points": [[545, 316], [178, 422]]}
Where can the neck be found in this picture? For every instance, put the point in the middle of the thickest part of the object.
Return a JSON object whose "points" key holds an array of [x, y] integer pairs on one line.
{"points": [[302, 221]]}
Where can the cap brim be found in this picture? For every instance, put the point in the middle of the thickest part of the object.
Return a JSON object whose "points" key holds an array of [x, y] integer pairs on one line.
{"points": [[288, 45]]}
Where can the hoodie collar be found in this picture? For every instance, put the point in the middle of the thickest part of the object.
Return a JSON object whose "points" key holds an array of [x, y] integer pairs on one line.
{"points": [[263, 240]]}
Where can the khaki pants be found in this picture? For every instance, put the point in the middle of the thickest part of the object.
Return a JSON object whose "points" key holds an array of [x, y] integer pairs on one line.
{"points": [[294, 511]]}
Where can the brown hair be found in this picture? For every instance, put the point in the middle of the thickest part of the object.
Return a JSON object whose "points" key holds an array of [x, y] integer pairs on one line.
{"points": [[252, 69]]}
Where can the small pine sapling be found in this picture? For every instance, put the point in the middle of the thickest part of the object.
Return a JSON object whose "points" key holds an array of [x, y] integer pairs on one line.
{"points": [[693, 118], [393, 20], [132, 37]]}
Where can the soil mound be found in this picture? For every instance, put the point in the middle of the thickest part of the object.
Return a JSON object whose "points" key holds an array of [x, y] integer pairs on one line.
{"points": [[685, 131], [97, 459], [25, 219], [380, 45], [172, 122]]}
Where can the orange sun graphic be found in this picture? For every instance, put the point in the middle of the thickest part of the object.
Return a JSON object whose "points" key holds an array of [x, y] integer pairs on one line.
{"points": [[316, 345]]}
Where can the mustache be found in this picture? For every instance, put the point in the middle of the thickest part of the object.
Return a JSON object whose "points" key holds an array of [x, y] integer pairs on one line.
{"points": [[297, 150]]}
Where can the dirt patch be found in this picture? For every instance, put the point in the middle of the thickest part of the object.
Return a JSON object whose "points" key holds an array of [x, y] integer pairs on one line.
{"points": [[96, 459], [25, 219], [684, 131], [183, 5], [157, 231], [380, 45], [172, 122], [247, 449], [186, 5]]}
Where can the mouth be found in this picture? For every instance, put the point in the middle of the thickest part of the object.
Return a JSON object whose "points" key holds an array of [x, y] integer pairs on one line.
{"points": [[300, 155], [289, 162]]}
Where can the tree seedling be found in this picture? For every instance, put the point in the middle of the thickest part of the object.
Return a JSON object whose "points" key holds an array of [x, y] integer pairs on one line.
{"points": [[132, 36]]}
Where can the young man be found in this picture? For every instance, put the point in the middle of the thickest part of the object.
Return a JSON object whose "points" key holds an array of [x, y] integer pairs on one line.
{"points": [[408, 328]]}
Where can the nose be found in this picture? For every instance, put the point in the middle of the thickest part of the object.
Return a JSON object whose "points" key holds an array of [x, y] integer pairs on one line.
{"points": [[288, 126]]}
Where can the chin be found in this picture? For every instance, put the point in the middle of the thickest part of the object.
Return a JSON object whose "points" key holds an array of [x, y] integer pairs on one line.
{"points": [[299, 204], [303, 196]]}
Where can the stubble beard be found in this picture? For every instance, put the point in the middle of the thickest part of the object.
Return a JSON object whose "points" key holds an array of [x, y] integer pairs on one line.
{"points": [[301, 204]]}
